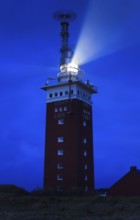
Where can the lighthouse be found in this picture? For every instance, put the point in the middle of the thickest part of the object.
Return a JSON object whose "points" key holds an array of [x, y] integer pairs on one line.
{"points": [[69, 152]]}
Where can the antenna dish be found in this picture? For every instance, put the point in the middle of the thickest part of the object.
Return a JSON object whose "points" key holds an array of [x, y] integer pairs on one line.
{"points": [[64, 16]]}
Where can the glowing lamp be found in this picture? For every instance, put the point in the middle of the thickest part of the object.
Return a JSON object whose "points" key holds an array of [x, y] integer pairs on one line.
{"points": [[69, 71], [70, 68]]}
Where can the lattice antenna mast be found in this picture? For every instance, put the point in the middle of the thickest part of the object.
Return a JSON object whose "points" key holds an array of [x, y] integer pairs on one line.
{"points": [[65, 50], [69, 71], [65, 18]]}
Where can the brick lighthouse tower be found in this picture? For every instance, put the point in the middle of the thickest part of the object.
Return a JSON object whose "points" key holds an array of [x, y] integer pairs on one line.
{"points": [[68, 164]]}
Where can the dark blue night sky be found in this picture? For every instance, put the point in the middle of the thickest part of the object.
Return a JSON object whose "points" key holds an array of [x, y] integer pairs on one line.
{"points": [[106, 38]]}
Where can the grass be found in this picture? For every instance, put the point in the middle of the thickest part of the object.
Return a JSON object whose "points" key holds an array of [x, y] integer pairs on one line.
{"points": [[26, 206]]}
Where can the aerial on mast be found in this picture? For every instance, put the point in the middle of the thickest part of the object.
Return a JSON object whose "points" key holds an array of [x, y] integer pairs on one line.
{"points": [[68, 70], [65, 18]]}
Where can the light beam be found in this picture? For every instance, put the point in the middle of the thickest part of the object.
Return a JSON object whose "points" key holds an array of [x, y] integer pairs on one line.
{"points": [[107, 29]]}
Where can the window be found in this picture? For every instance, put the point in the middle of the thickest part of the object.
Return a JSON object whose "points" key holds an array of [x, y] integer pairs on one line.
{"points": [[60, 139], [60, 152], [60, 121], [55, 93], [78, 92], [60, 109], [59, 177], [50, 95], [88, 112], [66, 92], [71, 91], [84, 123], [85, 167], [85, 177], [86, 188], [84, 140], [85, 153], [65, 108], [61, 93], [60, 166], [56, 109]]}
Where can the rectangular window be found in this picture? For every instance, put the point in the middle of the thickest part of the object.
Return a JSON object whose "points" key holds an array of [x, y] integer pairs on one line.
{"points": [[60, 166], [56, 109], [85, 153], [60, 121], [85, 167], [84, 123], [65, 108], [86, 188], [59, 177], [84, 140], [71, 91], [85, 178], [60, 139], [50, 95], [60, 109], [66, 92], [55, 93], [60, 152], [88, 112], [61, 93]]}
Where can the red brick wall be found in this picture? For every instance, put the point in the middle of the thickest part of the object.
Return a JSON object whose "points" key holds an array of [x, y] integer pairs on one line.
{"points": [[73, 132]]}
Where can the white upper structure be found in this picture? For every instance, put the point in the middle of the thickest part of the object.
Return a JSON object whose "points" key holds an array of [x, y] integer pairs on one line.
{"points": [[69, 85]]}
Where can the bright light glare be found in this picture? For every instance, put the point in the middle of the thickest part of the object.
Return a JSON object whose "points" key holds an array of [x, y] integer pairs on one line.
{"points": [[69, 67], [107, 28]]}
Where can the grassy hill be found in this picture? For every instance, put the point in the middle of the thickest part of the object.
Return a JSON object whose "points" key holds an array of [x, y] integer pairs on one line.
{"points": [[18, 204]]}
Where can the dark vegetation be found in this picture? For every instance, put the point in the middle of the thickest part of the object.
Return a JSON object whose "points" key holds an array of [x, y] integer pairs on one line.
{"points": [[18, 204]]}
